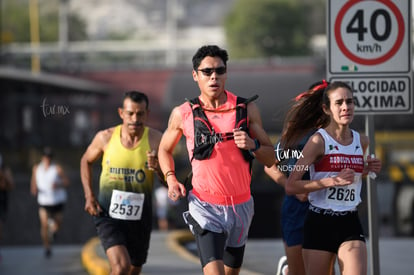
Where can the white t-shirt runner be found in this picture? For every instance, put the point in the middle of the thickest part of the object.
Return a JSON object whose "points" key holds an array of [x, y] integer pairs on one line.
{"points": [[336, 158], [48, 195]]}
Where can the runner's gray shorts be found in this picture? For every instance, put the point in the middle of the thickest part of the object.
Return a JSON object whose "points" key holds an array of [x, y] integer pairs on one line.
{"points": [[232, 220]]}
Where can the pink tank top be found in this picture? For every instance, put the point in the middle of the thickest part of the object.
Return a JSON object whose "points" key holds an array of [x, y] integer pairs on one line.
{"points": [[225, 177]]}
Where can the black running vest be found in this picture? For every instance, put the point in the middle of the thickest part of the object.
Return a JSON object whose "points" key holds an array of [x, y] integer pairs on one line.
{"points": [[205, 136]]}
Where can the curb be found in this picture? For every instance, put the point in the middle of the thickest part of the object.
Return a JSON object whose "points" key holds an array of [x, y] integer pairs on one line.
{"points": [[91, 261], [96, 264], [176, 238]]}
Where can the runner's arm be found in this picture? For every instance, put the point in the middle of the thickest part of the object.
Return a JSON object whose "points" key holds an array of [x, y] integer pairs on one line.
{"points": [[92, 154], [153, 161], [33, 184], [264, 153], [169, 140], [275, 174]]}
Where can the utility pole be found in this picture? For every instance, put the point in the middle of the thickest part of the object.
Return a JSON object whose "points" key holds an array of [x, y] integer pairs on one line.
{"points": [[171, 29], [34, 34], [63, 31]]}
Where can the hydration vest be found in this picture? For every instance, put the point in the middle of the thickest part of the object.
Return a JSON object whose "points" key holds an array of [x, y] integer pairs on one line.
{"points": [[205, 136]]}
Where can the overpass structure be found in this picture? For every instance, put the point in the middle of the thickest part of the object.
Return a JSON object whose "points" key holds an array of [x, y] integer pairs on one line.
{"points": [[38, 109]]}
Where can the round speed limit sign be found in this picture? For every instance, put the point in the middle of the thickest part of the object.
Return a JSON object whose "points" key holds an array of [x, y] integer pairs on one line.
{"points": [[369, 36]]}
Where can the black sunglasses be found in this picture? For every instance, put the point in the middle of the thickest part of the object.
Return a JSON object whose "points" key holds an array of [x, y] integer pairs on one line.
{"points": [[209, 71]]}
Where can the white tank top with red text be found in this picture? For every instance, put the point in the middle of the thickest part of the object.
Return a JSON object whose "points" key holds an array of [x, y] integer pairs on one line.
{"points": [[336, 158]]}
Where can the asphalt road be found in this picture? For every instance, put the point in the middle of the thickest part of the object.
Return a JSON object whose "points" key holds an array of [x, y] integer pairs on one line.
{"points": [[261, 257], [23, 260]]}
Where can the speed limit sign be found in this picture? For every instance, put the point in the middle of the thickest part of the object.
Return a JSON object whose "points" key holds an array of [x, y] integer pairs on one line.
{"points": [[369, 47], [369, 36]]}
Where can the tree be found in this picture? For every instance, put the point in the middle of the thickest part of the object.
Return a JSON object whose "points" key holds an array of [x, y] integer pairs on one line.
{"points": [[15, 22], [265, 28]]}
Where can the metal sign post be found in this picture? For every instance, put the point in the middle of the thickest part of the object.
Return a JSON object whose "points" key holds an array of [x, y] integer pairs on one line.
{"points": [[369, 47], [373, 247]]}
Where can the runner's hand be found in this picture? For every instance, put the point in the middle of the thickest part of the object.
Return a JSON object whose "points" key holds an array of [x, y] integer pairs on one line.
{"points": [[152, 160], [345, 177], [176, 190], [242, 139], [373, 164], [92, 207]]}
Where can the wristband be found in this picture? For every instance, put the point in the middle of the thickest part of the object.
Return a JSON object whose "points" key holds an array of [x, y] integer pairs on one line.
{"points": [[257, 145], [169, 173]]}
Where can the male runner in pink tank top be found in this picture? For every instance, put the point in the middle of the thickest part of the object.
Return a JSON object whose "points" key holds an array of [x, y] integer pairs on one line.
{"points": [[220, 204]]}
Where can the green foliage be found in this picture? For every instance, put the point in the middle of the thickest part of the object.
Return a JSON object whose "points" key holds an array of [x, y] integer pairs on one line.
{"points": [[265, 28], [77, 28], [15, 22]]}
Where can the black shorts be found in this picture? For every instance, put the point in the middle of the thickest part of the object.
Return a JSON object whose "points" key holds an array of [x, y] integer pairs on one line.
{"points": [[134, 235], [328, 230], [3, 205], [53, 209], [211, 247]]}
